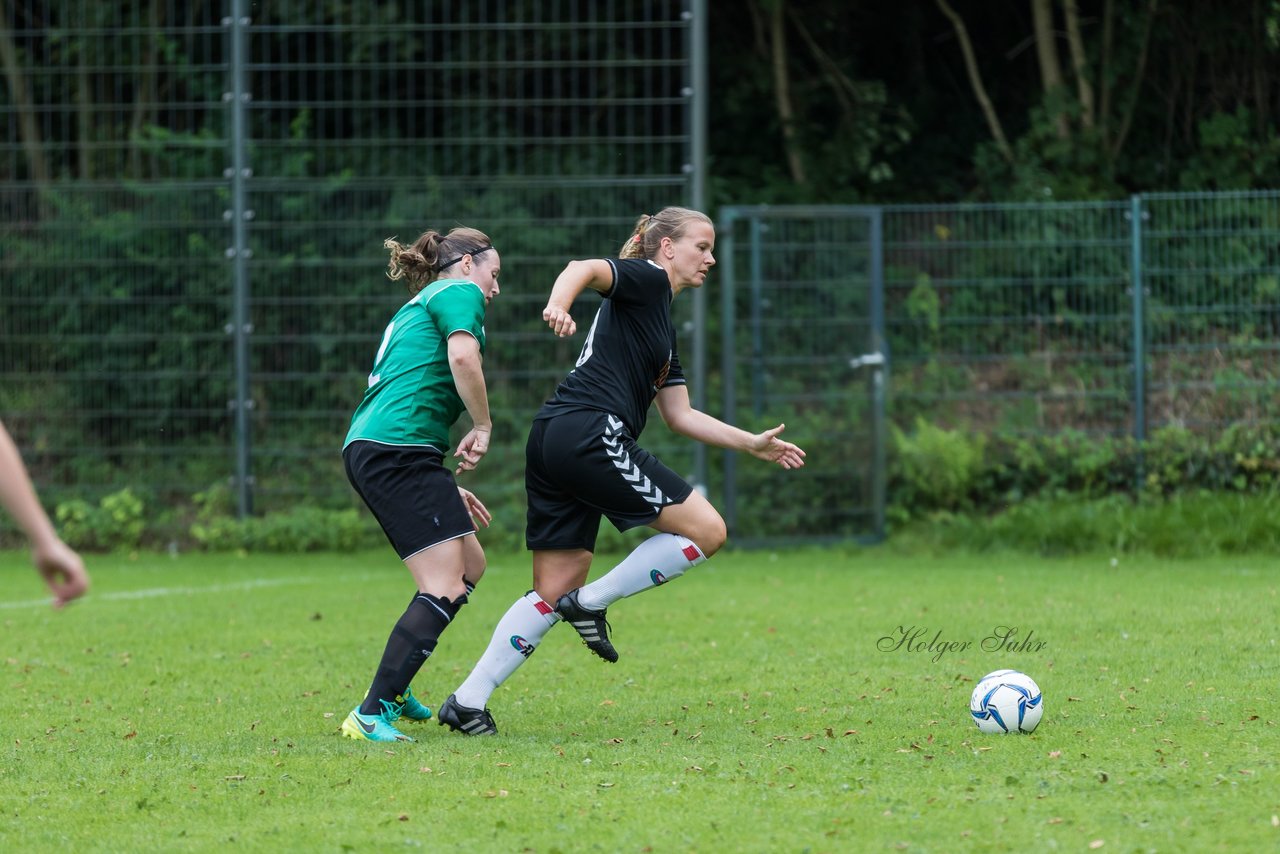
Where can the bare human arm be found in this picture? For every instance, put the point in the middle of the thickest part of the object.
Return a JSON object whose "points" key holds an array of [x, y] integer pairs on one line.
{"points": [[58, 564], [681, 417], [575, 278], [468, 377]]}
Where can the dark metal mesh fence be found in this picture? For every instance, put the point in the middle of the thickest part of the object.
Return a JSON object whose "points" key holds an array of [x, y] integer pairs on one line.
{"points": [[193, 198], [1111, 318], [178, 180]]}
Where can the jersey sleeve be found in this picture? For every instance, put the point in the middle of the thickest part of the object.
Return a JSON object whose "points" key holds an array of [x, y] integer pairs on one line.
{"points": [[638, 282], [675, 374], [458, 308]]}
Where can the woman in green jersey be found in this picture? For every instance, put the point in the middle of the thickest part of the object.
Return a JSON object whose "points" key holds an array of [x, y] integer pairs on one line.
{"points": [[426, 372]]}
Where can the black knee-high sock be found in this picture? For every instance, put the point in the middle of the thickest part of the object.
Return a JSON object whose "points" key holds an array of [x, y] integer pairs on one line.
{"points": [[411, 643]]}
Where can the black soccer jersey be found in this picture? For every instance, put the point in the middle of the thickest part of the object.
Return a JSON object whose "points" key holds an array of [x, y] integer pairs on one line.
{"points": [[630, 351]]}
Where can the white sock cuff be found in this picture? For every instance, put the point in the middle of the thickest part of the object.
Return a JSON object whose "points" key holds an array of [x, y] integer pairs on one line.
{"points": [[547, 612], [690, 550]]}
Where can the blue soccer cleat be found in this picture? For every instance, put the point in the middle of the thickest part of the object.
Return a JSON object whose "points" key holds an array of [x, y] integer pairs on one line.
{"points": [[405, 706], [411, 708], [374, 727]]}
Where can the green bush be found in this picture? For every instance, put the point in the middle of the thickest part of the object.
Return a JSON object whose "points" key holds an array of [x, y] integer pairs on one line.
{"points": [[302, 529], [932, 469], [117, 522], [306, 529], [1198, 524], [937, 469]]}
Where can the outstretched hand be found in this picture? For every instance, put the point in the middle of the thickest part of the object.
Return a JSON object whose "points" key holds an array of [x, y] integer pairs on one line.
{"points": [[473, 446], [768, 447], [62, 570], [475, 507], [559, 321]]}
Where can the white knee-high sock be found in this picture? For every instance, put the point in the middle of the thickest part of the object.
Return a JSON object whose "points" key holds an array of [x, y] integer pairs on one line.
{"points": [[655, 561], [514, 639]]}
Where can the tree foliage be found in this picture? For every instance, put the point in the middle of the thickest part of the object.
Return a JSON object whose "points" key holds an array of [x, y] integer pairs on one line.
{"points": [[1014, 99]]}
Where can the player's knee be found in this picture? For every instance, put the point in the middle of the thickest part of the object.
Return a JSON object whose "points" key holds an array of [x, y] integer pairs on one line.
{"points": [[474, 564], [711, 534]]}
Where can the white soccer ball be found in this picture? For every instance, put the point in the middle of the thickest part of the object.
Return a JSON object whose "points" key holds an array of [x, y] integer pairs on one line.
{"points": [[1006, 701]]}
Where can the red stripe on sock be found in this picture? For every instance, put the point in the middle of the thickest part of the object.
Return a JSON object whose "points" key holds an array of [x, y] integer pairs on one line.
{"points": [[691, 552], [543, 607]]}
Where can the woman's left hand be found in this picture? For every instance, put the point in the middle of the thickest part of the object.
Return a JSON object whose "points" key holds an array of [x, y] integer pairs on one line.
{"points": [[768, 447], [476, 508]]}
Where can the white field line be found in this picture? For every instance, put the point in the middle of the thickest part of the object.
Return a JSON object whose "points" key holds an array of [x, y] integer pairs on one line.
{"points": [[158, 592]]}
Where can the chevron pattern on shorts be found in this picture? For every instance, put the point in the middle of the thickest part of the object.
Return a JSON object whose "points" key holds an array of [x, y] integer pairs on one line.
{"points": [[630, 471]]}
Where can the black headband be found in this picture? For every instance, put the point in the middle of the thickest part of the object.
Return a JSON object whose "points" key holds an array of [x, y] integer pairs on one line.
{"points": [[473, 254]]}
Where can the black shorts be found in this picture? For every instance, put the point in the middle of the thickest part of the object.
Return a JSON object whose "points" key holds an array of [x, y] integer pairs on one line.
{"points": [[582, 465], [412, 495]]}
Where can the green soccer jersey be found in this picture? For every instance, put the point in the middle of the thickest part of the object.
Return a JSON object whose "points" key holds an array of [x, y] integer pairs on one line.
{"points": [[411, 398]]}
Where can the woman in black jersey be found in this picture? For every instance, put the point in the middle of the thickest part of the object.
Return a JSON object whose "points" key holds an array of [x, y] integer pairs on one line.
{"points": [[582, 460]]}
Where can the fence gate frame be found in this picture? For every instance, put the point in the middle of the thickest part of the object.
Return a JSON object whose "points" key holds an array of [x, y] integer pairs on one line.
{"points": [[875, 359]]}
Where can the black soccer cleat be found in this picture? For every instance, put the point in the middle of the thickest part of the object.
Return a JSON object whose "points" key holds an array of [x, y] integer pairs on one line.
{"points": [[590, 625], [466, 721]]}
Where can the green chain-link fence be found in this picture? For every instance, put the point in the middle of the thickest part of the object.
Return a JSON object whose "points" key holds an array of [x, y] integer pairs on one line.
{"points": [[194, 197]]}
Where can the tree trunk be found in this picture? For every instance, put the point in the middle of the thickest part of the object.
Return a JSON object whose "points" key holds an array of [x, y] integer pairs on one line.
{"points": [[843, 89], [144, 96], [1261, 76], [1079, 65], [1047, 55], [782, 92], [20, 94], [84, 112], [1104, 76], [1139, 74], [975, 80]]}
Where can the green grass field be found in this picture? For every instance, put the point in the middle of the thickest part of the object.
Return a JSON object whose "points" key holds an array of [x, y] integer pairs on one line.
{"points": [[193, 703]]}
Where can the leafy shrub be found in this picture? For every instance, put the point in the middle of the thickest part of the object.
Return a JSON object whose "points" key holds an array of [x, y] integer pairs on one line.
{"points": [[301, 529], [1197, 524], [937, 469], [934, 470], [117, 522]]}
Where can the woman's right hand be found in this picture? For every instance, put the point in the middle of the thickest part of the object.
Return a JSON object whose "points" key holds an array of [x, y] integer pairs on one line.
{"points": [[473, 446], [559, 321]]}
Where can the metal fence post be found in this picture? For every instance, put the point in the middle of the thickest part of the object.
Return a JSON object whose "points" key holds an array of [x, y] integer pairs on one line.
{"points": [[728, 362], [879, 375], [696, 169], [757, 316], [1137, 288], [239, 253]]}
